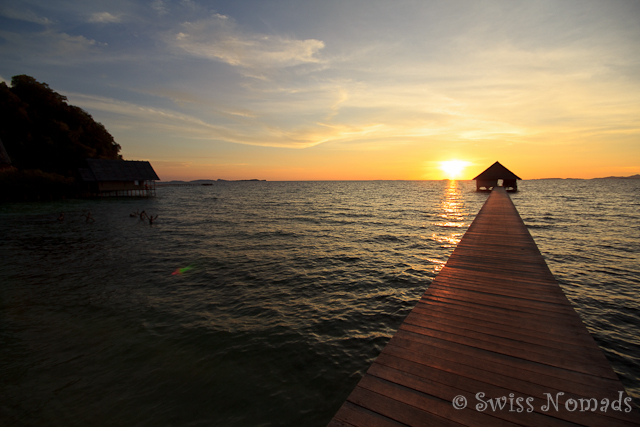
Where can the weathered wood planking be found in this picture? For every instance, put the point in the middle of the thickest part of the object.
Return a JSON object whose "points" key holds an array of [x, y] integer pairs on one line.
{"points": [[494, 321]]}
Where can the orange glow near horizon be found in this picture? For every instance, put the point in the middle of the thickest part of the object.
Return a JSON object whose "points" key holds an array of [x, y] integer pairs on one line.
{"points": [[384, 164]]}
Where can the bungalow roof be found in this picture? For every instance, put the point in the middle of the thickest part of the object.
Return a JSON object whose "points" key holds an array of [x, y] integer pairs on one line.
{"points": [[497, 171], [118, 170]]}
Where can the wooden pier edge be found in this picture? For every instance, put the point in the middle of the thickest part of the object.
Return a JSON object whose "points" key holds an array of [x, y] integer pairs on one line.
{"points": [[495, 336]]}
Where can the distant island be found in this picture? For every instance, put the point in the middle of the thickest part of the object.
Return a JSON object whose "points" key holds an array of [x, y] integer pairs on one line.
{"points": [[206, 181], [636, 176]]}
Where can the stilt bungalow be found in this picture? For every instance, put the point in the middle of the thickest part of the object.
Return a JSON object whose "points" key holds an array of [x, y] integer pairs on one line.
{"points": [[118, 178], [497, 175]]}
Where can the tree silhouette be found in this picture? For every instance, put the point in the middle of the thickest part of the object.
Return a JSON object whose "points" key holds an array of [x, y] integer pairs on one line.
{"points": [[41, 131]]}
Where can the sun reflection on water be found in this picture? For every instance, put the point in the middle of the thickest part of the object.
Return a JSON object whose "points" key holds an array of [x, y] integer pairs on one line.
{"points": [[447, 241], [449, 223], [437, 264], [453, 214]]}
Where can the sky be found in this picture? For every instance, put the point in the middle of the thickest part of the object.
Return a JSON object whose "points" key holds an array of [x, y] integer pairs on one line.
{"points": [[344, 90]]}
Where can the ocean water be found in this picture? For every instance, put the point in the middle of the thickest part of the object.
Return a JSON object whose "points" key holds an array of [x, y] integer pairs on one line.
{"points": [[263, 303]]}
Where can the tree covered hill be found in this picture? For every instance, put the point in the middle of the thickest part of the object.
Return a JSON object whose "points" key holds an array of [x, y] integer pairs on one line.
{"points": [[41, 131], [46, 139]]}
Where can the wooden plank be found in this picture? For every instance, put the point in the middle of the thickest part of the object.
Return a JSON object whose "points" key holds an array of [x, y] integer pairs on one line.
{"points": [[493, 321], [533, 336], [558, 360], [451, 386], [522, 380], [482, 331], [495, 362], [470, 379], [432, 408], [398, 410], [551, 329], [357, 416], [508, 313]]}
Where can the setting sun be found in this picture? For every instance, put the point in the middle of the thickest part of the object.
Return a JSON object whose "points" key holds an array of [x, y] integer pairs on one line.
{"points": [[453, 168]]}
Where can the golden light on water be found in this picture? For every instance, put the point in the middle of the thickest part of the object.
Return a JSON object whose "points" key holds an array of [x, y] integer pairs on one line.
{"points": [[448, 231], [453, 216], [453, 168]]}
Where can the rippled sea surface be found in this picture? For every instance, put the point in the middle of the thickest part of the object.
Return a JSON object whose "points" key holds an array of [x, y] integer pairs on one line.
{"points": [[263, 303]]}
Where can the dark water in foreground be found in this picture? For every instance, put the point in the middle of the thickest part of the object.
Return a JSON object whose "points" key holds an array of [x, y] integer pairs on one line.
{"points": [[263, 303]]}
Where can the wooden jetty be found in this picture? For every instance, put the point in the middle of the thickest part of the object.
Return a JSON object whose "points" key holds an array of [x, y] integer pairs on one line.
{"points": [[494, 321]]}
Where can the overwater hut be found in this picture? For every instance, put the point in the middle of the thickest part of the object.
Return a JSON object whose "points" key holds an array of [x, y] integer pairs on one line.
{"points": [[118, 178], [497, 175]]}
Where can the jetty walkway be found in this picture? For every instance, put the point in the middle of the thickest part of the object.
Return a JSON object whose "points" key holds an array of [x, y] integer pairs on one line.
{"points": [[495, 336]]}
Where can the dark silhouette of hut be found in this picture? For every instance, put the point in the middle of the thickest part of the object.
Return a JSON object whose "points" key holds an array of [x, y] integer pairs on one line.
{"points": [[497, 175], [118, 178], [5, 161]]}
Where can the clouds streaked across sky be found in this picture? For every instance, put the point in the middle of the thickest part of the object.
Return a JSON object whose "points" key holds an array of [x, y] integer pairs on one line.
{"points": [[288, 90]]}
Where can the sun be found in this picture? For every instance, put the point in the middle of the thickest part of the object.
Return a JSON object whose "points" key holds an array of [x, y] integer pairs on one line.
{"points": [[453, 168]]}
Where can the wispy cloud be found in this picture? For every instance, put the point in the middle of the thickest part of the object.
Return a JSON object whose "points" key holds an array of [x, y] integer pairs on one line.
{"points": [[104, 18], [169, 164], [160, 7], [254, 132], [48, 44], [160, 117], [218, 38], [23, 15]]}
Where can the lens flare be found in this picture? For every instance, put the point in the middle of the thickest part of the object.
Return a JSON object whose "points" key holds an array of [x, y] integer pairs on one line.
{"points": [[180, 271]]}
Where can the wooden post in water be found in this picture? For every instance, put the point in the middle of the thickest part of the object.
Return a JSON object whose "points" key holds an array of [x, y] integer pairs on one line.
{"points": [[493, 341]]}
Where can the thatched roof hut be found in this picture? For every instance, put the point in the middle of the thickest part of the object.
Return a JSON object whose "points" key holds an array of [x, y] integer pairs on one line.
{"points": [[497, 175], [119, 177]]}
